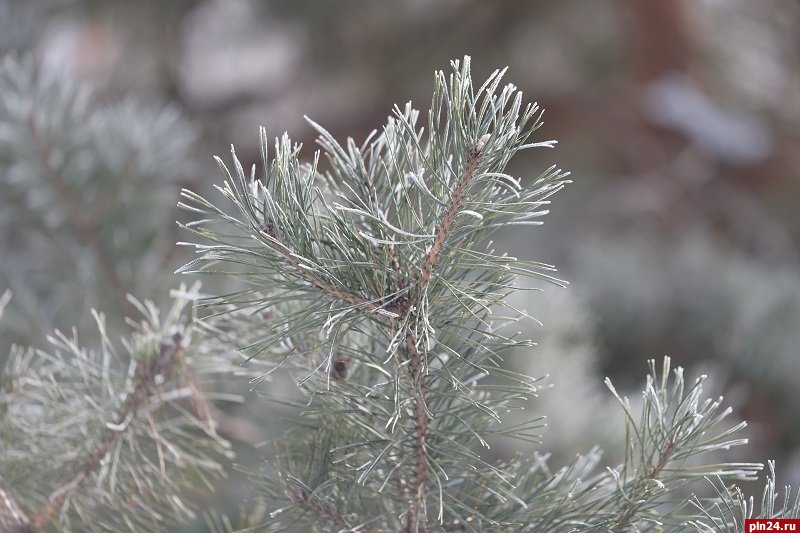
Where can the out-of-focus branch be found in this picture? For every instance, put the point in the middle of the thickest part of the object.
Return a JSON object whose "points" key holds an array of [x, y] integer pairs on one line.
{"points": [[146, 374], [12, 517], [75, 214]]}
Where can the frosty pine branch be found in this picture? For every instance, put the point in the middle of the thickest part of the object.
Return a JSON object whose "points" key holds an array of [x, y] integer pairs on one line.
{"points": [[375, 286], [376, 244], [92, 445], [386, 301]]}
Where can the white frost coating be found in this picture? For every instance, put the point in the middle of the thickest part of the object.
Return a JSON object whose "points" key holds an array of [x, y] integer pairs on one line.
{"points": [[482, 142], [471, 213]]}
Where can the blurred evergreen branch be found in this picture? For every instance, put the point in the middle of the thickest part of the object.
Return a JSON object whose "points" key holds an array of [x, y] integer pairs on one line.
{"points": [[110, 439], [87, 194], [739, 312], [20, 24]]}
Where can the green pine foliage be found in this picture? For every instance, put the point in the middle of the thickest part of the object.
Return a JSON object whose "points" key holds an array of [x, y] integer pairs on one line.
{"points": [[380, 283], [708, 293], [115, 438], [368, 279], [389, 307], [88, 197]]}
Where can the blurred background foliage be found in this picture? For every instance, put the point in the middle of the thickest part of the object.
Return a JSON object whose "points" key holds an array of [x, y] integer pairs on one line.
{"points": [[680, 120]]}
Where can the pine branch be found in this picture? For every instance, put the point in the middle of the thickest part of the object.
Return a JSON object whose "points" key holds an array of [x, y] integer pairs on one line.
{"points": [[84, 226], [302, 499], [335, 292], [729, 508], [383, 299], [146, 373], [85, 179], [125, 440], [632, 503], [420, 485], [446, 222], [398, 260]]}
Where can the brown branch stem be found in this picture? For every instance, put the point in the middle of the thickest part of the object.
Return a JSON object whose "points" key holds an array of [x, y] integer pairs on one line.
{"points": [[449, 216], [145, 379], [416, 521], [416, 512], [301, 498]]}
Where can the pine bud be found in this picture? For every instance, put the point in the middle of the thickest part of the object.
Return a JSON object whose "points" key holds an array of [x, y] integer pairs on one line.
{"points": [[481, 144], [339, 367]]}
